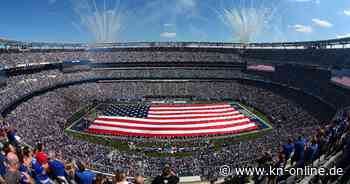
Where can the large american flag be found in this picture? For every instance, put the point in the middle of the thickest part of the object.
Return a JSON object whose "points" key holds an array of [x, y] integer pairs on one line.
{"points": [[171, 120]]}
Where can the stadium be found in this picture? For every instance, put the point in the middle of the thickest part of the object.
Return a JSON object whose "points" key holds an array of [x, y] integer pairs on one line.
{"points": [[135, 110]]}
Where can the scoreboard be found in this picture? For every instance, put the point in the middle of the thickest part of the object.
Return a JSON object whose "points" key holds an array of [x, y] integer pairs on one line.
{"points": [[75, 66]]}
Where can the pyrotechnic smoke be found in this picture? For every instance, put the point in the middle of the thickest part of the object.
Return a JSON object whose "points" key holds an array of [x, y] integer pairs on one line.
{"points": [[247, 18], [103, 23]]}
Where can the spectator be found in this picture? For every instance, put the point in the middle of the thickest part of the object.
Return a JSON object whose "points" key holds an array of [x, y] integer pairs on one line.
{"points": [[57, 169], [167, 177], [2, 166], [34, 168], [311, 151], [84, 176], [288, 148], [12, 175], [70, 170], [8, 148], [40, 155], [344, 162], [99, 179], [11, 136], [322, 142], [139, 179], [299, 147], [120, 177]]}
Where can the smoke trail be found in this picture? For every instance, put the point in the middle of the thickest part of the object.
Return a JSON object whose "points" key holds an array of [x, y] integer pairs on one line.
{"points": [[246, 19], [103, 23]]}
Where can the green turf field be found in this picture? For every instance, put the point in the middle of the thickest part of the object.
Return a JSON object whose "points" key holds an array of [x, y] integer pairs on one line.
{"points": [[91, 112]]}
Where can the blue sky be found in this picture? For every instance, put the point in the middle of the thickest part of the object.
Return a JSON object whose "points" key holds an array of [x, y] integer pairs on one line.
{"points": [[173, 20]]}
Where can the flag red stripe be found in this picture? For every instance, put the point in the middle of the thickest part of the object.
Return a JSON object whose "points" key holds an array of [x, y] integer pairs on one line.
{"points": [[169, 114], [116, 133], [194, 117], [187, 105], [177, 120], [169, 129], [174, 109], [168, 123]]}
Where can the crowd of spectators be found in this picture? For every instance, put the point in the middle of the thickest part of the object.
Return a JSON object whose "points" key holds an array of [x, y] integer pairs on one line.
{"points": [[42, 118], [293, 77], [46, 115], [44, 164], [13, 59], [305, 150], [324, 57], [27, 165], [20, 85]]}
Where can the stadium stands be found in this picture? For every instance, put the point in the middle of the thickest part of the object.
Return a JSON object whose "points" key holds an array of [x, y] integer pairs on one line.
{"points": [[299, 100]]}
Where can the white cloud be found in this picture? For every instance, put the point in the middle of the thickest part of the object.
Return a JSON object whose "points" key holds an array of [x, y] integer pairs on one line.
{"points": [[168, 34], [322, 23], [303, 28], [344, 35], [347, 12]]}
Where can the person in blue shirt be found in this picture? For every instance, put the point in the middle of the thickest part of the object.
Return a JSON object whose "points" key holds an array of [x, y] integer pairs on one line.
{"points": [[56, 168], [288, 149], [84, 176], [27, 176], [35, 168], [299, 151], [40, 173], [11, 136]]}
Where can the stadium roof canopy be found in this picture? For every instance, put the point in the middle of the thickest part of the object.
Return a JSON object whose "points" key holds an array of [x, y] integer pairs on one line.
{"points": [[332, 43]]}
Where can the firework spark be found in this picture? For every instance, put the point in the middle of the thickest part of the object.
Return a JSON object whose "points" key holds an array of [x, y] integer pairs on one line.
{"points": [[103, 23], [247, 18]]}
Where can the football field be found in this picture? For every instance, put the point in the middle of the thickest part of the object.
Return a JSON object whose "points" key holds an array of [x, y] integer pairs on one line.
{"points": [[175, 122]]}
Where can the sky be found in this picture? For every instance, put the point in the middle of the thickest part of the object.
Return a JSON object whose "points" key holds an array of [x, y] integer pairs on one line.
{"points": [[171, 20]]}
